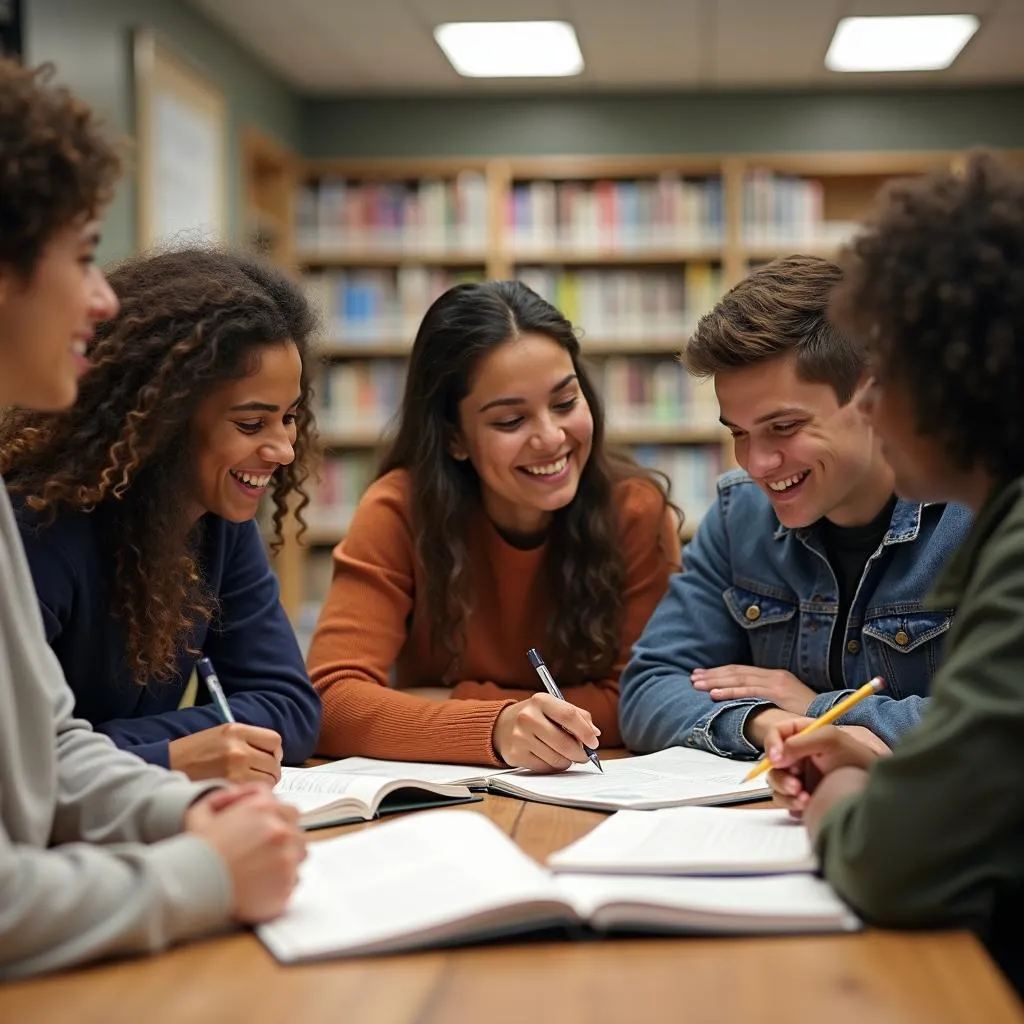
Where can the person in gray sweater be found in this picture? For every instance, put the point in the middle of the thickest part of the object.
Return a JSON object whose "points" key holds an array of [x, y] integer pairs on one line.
{"points": [[100, 853]]}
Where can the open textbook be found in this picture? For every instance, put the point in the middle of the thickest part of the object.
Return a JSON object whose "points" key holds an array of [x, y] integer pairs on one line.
{"points": [[454, 876], [473, 776], [691, 841], [669, 778], [334, 798]]}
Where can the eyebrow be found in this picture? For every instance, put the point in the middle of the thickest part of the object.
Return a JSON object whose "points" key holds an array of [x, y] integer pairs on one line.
{"points": [[262, 406], [521, 401], [774, 415]]}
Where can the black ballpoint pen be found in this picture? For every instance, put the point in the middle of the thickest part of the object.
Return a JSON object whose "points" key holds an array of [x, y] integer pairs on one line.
{"points": [[552, 687]]}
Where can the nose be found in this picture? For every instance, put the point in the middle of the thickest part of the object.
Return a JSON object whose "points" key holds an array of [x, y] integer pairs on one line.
{"points": [[762, 459], [280, 448], [549, 436], [104, 303]]}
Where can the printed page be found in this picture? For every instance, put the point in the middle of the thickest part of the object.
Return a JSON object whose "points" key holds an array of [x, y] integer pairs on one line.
{"points": [[776, 903], [667, 778], [420, 771], [309, 790], [691, 841], [406, 883]]}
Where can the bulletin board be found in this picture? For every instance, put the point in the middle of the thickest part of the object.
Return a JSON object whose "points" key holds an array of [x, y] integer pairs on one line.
{"points": [[181, 135]]}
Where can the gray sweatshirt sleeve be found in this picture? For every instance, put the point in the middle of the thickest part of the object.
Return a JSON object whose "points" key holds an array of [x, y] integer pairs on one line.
{"points": [[91, 864]]}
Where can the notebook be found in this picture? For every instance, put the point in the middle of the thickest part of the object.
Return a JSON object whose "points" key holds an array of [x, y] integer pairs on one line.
{"points": [[691, 841], [453, 877], [668, 778], [473, 776], [332, 798]]}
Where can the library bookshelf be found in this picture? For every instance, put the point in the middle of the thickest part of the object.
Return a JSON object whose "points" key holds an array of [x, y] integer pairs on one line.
{"points": [[632, 249]]}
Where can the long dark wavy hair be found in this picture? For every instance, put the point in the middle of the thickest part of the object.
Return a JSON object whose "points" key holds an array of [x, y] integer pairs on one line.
{"points": [[586, 565], [190, 321]]}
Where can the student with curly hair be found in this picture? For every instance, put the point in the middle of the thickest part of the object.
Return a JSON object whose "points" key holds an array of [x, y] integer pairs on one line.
{"points": [[499, 522], [137, 513], [100, 854], [933, 836]]}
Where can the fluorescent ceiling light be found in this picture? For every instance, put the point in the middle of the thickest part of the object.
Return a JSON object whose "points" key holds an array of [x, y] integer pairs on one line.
{"points": [[510, 49], [914, 43]]}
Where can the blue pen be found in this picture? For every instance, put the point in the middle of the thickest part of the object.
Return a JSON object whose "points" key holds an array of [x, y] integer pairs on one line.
{"points": [[552, 687], [205, 669]]}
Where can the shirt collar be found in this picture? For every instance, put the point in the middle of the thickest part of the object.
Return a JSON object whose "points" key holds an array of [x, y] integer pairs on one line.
{"points": [[953, 581], [904, 526]]}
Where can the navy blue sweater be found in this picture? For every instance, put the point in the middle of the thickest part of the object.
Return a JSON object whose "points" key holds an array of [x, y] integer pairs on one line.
{"points": [[250, 641]]}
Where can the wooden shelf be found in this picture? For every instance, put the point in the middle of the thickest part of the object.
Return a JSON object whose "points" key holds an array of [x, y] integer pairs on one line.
{"points": [[616, 258], [384, 259], [771, 252], [666, 434]]}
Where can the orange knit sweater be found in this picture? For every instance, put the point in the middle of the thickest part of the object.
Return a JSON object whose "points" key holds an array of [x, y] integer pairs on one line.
{"points": [[374, 620]]}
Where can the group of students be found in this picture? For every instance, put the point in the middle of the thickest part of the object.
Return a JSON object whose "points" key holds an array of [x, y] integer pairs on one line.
{"points": [[876, 527]]}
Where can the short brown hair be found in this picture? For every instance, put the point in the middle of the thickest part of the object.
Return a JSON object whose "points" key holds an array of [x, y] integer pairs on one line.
{"points": [[781, 307], [934, 285], [55, 164]]}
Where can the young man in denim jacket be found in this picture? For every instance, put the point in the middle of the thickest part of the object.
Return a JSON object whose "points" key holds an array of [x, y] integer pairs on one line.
{"points": [[807, 576]]}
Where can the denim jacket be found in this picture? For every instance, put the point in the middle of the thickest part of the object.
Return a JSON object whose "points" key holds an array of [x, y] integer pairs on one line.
{"points": [[753, 592]]}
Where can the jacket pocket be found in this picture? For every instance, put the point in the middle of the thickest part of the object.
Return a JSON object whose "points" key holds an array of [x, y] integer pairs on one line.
{"points": [[906, 649], [769, 623]]}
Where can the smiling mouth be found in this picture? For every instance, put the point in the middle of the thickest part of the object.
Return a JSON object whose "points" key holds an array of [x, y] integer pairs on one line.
{"points": [[788, 483], [552, 468], [252, 481]]}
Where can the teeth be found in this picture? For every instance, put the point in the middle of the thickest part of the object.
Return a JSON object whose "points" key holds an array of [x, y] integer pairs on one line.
{"points": [[550, 469], [254, 480], [784, 485], [78, 347]]}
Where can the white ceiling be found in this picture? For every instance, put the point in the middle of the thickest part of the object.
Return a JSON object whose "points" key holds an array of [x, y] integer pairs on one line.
{"points": [[356, 46]]}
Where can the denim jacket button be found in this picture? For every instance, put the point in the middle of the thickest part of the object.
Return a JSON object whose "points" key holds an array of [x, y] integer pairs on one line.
{"points": [[901, 638], [753, 613], [853, 646]]}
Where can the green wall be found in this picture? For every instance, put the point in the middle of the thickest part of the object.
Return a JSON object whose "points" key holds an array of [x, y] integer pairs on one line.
{"points": [[90, 42], [679, 123]]}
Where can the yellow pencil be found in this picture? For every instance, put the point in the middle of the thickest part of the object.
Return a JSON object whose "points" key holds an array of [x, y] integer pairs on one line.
{"points": [[876, 684]]}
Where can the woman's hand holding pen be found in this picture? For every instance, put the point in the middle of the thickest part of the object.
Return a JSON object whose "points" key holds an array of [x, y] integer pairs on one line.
{"points": [[259, 840], [800, 763], [234, 751], [543, 734]]}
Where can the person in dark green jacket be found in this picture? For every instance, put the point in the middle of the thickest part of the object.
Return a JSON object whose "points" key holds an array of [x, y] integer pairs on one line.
{"points": [[933, 835]]}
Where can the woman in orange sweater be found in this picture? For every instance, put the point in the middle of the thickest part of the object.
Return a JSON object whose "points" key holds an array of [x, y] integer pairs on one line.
{"points": [[498, 522]]}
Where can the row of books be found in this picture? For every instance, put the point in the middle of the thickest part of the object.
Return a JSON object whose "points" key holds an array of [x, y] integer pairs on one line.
{"points": [[693, 472], [788, 212], [367, 307], [630, 305], [667, 211], [647, 392], [360, 396], [421, 216]]}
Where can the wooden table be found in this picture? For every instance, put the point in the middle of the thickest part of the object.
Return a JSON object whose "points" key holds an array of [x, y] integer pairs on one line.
{"points": [[870, 978]]}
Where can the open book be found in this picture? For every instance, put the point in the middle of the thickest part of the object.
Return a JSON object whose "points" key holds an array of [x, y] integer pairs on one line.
{"points": [[668, 778], [333, 798], [454, 876], [691, 841], [473, 776]]}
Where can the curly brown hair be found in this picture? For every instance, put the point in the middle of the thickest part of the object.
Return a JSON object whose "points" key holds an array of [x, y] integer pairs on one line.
{"points": [[934, 284], [55, 164], [190, 321], [586, 569]]}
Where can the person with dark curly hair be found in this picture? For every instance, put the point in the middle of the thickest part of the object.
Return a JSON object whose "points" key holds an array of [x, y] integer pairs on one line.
{"points": [[137, 511], [499, 522], [100, 854], [933, 835]]}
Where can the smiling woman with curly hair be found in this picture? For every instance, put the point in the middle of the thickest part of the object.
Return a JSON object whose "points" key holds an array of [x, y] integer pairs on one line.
{"points": [[137, 511], [933, 835]]}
